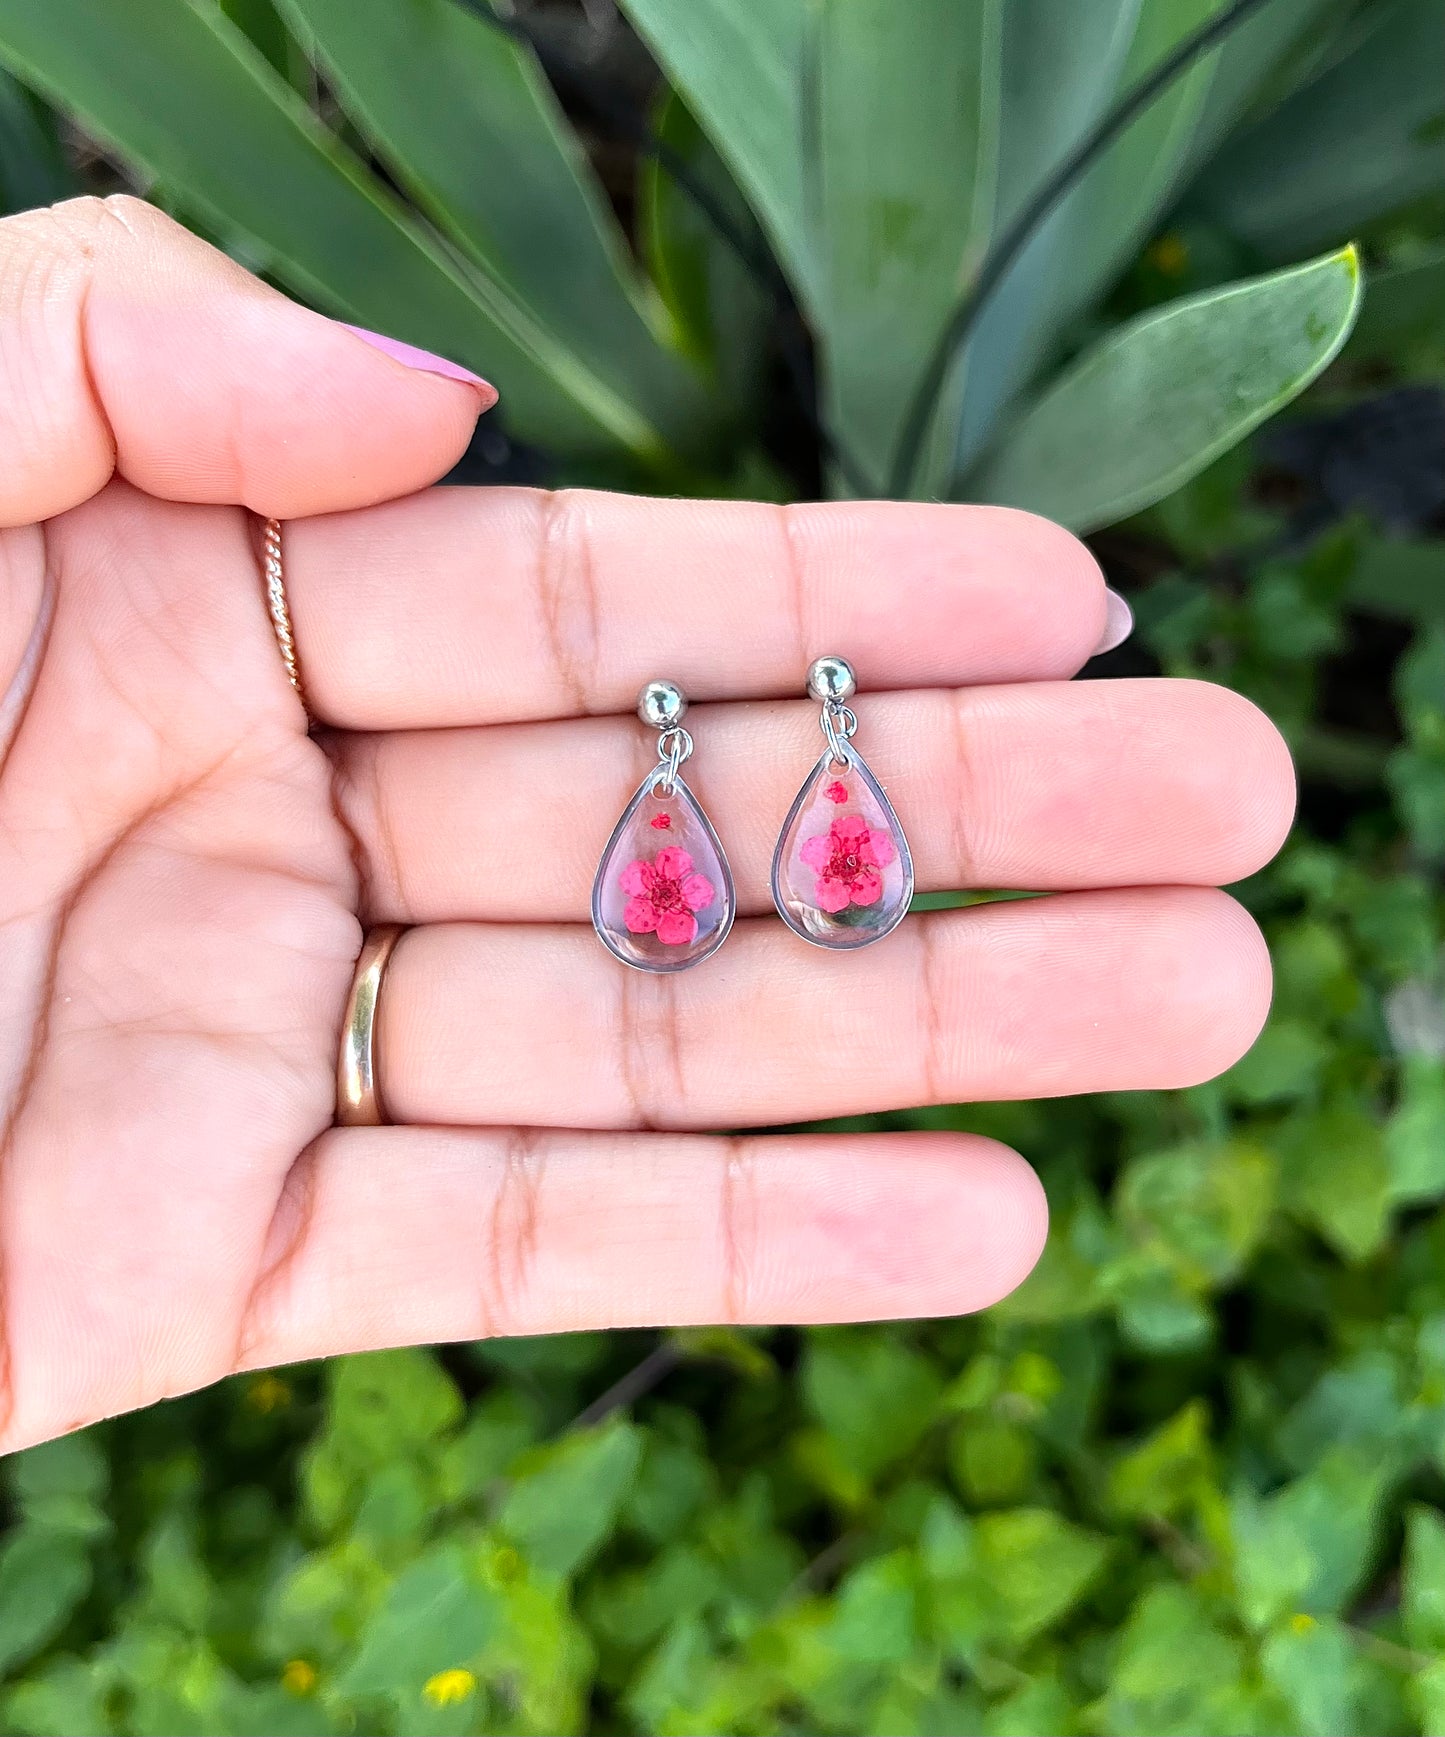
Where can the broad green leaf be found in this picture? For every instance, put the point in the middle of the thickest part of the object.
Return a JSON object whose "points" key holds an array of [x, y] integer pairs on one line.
{"points": [[260, 20], [1113, 206], [312, 1610], [635, 1609], [718, 300], [60, 1698], [1420, 679], [1200, 1208], [384, 1406], [1285, 1063], [993, 1459], [1309, 1662], [1157, 1313], [1360, 141], [1422, 1594], [1416, 778], [1305, 1548], [875, 1614], [1065, 67], [1165, 1473], [43, 1576], [1278, 48], [1335, 1175], [671, 1683], [1065, 1283], [500, 1427], [182, 93], [435, 1617], [1039, 1705], [464, 120], [391, 1402], [1098, 227], [1415, 1133], [873, 1397], [62, 1484], [882, 160], [674, 1481], [738, 65], [900, 158], [1428, 1694], [1035, 1566], [1150, 405], [1006, 1577], [565, 1498], [1357, 1404], [32, 169], [1175, 1672]]}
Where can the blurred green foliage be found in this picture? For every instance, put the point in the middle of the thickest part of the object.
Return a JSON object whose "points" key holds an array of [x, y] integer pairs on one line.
{"points": [[1189, 1478]]}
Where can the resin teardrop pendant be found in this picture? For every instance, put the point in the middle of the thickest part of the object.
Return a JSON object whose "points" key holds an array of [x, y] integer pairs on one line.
{"points": [[663, 898], [842, 870]]}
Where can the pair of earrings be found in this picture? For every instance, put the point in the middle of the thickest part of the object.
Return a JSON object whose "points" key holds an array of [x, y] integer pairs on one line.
{"points": [[663, 898]]}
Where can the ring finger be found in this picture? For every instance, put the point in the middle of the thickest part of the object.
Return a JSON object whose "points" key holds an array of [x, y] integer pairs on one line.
{"points": [[1098, 991]]}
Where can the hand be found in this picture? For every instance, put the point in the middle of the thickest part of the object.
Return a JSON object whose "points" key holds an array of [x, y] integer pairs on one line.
{"points": [[185, 873]]}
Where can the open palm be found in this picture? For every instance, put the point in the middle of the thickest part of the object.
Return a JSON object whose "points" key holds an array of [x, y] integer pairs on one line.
{"points": [[185, 872]]}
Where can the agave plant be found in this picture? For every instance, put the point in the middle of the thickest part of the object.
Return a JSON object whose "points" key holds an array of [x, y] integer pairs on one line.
{"points": [[406, 164]]}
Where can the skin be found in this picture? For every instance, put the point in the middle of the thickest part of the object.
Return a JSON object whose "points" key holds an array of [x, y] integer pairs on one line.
{"points": [[185, 872]]}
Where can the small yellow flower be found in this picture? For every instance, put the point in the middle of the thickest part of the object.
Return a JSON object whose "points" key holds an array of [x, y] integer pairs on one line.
{"points": [[1169, 255], [268, 1393], [449, 1686], [299, 1677], [1301, 1623]]}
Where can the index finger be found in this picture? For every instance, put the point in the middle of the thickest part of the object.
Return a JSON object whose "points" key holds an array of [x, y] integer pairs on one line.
{"points": [[128, 345], [471, 606]]}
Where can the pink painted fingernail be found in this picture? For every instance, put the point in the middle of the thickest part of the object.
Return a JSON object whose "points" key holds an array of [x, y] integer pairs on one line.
{"points": [[1118, 622], [411, 357]]}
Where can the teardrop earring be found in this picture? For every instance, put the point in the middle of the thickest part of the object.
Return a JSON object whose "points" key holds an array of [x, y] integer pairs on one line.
{"points": [[663, 898], [842, 871]]}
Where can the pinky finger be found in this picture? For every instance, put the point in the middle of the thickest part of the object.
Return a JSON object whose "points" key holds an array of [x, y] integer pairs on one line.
{"points": [[402, 1236]]}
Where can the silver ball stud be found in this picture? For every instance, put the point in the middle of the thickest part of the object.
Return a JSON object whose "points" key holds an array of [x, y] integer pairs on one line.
{"points": [[661, 705], [831, 678]]}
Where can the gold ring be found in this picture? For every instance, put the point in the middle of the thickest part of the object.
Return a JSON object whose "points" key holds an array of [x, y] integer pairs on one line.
{"points": [[358, 1098], [276, 602]]}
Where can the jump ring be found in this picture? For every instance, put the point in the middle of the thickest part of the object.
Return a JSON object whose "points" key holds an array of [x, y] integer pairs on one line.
{"points": [[673, 747], [358, 1097], [838, 723]]}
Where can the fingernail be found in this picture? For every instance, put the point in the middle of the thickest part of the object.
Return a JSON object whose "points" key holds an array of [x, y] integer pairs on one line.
{"points": [[1118, 622], [423, 360]]}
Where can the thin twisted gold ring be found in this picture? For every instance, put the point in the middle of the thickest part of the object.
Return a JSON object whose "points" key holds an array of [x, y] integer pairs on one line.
{"points": [[275, 570], [358, 1097]]}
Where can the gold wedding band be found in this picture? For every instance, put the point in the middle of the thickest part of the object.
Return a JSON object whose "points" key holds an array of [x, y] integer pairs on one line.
{"points": [[358, 1099], [275, 570]]}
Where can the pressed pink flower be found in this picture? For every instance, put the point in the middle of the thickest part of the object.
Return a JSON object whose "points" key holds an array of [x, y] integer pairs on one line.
{"points": [[664, 893], [847, 859]]}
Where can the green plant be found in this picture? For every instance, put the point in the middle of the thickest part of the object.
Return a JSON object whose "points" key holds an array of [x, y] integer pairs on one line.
{"points": [[883, 149], [1190, 1478]]}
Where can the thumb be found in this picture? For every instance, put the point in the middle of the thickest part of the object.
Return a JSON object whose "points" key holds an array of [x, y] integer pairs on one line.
{"points": [[128, 345]]}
